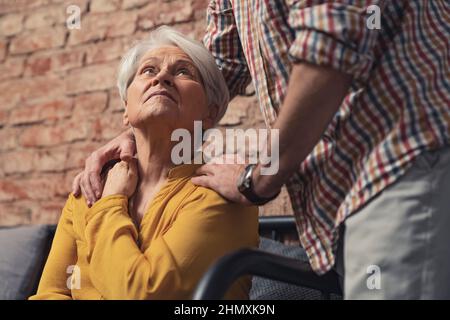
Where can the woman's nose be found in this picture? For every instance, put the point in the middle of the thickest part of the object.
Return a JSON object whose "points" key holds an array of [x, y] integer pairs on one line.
{"points": [[164, 78]]}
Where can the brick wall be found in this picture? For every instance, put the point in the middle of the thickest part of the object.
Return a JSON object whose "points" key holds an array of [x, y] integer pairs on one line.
{"points": [[58, 100]]}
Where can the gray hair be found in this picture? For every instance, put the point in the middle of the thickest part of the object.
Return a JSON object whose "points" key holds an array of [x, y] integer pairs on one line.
{"points": [[214, 83]]}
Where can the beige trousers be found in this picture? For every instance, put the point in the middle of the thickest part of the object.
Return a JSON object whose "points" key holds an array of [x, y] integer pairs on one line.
{"points": [[398, 245]]}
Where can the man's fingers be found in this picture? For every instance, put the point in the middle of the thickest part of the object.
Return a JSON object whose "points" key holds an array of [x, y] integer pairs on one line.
{"points": [[84, 192], [93, 169], [203, 181], [76, 189], [207, 169], [87, 188], [128, 149], [95, 162], [96, 184]]}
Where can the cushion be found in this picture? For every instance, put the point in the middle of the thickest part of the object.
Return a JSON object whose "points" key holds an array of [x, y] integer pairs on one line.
{"points": [[265, 289], [24, 250]]}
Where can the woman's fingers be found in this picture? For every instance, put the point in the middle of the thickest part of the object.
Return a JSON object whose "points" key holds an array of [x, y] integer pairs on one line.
{"points": [[132, 165]]}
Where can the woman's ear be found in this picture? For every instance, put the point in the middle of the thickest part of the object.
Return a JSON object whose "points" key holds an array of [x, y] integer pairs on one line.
{"points": [[126, 122], [210, 120]]}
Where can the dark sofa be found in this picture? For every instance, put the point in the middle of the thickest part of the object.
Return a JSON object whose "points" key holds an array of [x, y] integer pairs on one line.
{"points": [[24, 250]]}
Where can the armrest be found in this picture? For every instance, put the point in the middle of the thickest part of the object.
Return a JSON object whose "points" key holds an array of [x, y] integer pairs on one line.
{"points": [[277, 226], [229, 268]]}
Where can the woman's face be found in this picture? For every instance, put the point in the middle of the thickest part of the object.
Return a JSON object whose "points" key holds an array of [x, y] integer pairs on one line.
{"points": [[167, 90]]}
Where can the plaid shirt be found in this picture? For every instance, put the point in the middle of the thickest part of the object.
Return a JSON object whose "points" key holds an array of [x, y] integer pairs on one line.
{"points": [[398, 105]]}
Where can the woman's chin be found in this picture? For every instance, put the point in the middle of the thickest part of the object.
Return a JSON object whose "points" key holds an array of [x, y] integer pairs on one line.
{"points": [[154, 119]]}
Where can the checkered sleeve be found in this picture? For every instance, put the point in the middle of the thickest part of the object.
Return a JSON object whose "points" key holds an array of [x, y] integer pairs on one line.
{"points": [[222, 40], [339, 34]]}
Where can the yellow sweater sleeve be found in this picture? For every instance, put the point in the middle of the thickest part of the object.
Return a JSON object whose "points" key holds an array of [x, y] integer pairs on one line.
{"points": [[206, 228], [63, 254]]}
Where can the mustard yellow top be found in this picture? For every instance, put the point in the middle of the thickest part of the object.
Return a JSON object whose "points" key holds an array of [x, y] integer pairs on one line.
{"points": [[99, 253]]}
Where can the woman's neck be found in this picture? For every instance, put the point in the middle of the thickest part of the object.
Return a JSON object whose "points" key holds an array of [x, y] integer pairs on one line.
{"points": [[153, 155]]}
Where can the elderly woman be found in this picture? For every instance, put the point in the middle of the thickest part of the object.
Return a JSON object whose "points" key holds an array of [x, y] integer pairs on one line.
{"points": [[153, 234]]}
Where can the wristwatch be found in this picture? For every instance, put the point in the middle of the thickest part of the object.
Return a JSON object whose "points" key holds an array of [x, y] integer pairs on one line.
{"points": [[245, 186]]}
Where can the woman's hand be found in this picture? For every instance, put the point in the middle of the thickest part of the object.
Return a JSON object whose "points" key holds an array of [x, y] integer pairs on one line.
{"points": [[88, 182], [121, 179]]}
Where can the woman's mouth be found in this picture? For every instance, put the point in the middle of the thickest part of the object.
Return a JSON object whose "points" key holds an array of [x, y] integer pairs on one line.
{"points": [[163, 93]]}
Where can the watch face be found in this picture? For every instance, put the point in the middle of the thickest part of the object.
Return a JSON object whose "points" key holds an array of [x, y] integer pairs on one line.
{"points": [[240, 183], [244, 180]]}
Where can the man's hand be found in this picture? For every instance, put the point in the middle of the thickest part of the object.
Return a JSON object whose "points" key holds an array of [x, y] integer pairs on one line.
{"points": [[88, 182], [222, 178], [121, 179]]}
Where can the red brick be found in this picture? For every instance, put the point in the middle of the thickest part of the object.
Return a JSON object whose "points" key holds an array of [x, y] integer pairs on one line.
{"points": [[132, 4], [27, 89], [16, 213], [89, 32], [48, 212], [69, 175], [21, 5], [104, 5], [104, 51], [26, 161], [281, 205], [15, 89], [124, 23], [2, 49], [17, 161], [92, 78], [51, 160], [90, 104], [42, 38], [11, 190], [78, 154], [4, 115], [108, 126], [200, 5], [11, 68], [236, 111], [45, 17], [115, 103], [43, 187], [193, 29], [64, 132], [8, 138], [11, 24], [104, 25], [54, 60], [39, 111], [51, 15], [43, 86], [157, 13]]}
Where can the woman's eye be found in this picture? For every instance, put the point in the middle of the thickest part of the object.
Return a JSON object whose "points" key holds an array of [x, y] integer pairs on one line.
{"points": [[149, 70], [183, 71]]}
